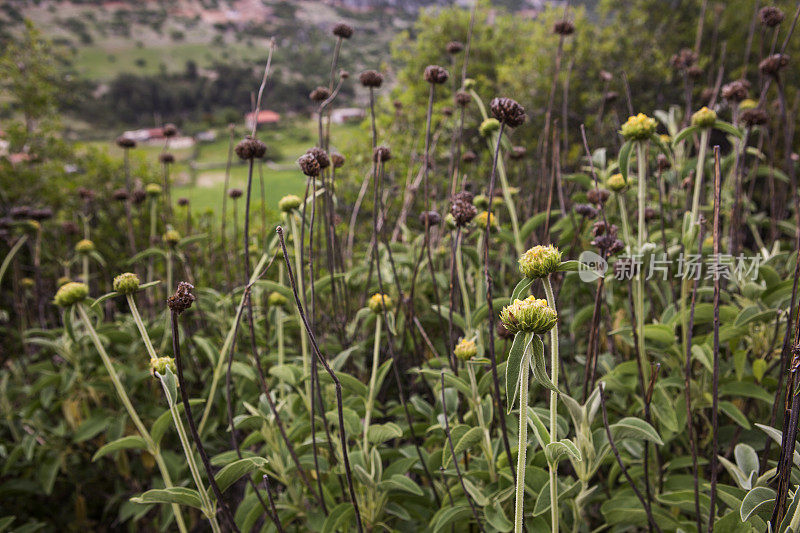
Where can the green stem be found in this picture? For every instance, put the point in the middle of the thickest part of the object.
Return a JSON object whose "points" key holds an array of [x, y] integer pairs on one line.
{"points": [[698, 177], [642, 230], [376, 352], [623, 216], [551, 301], [462, 284], [487, 437], [148, 344], [301, 290], [522, 442], [152, 447]]}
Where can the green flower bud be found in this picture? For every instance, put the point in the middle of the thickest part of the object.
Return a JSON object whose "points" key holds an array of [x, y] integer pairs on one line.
{"points": [[481, 201], [450, 221], [126, 283], [276, 299], [465, 349], [489, 126], [704, 118], [483, 217], [84, 246], [540, 261], [289, 203], [153, 189], [747, 103], [27, 283], [63, 280], [639, 127], [529, 316], [171, 237], [469, 83], [378, 302], [71, 293], [33, 225], [616, 183], [160, 365]]}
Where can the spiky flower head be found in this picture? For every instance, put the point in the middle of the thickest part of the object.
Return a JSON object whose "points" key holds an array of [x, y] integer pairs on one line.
{"points": [[125, 142], [250, 148], [153, 189], [462, 209], [235, 193], [436, 75], [182, 298], [598, 196], [530, 315], [171, 237], [126, 283], [430, 218], [289, 203], [586, 210], [382, 154], [309, 165], [63, 280], [482, 218], [772, 65], [704, 118], [378, 302], [321, 156], [489, 126], [345, 31], [276, 299], [371, 78], [71, 293], [84, 246], [183, 201], [120, 195], [771, 16], [169, 130], [166, 158], [564, 27], [735, 91], [466, 349], [454, 47], [161, 364], [508, 111], [540, 261], [616, 183], [469, 156], [754, 117], [320, 94], [462, 98], [337, 159], [638, 127], [517, 152]]}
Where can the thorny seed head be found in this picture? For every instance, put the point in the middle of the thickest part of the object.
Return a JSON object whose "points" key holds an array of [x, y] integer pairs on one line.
{"points": [[663, 162], [517, 153], [454, 47], [250, 148], [447, 111], [694, 72], [683, 59], [462, 98], [321, 156], [309, 165], [20, 212], [539, 261], [70, 228], [436, 75], [610, 96], [432, 218], [40, 215], [71, 293], [138, 196], [125, 142], [87, 195], [586, 210], [462, 209], [469, 157], [126, 283], [773, 64], [170, 130], [770, 16], [735, 91], [382, 154], [564, 27], [598, 196], [120, 195], [371, 78], [342, 30], [606, 76], [337, 160], [182, 299], [166, 158], [320, 94], [508, 111], [530, 315], [183, 201], [754, 117], [235, 193]]}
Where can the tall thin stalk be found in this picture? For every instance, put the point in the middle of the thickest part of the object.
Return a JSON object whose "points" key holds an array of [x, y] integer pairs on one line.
{"points": [[552, 466], [715, 378]]}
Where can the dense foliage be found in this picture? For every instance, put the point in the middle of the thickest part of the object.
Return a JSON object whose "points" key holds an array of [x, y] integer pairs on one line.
{"points": [[489, 313]]}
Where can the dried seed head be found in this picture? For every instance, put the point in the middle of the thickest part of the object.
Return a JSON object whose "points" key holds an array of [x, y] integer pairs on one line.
{"points": [[166, 158], [42, 214], [773, 64], [19, 212], [517, 152], [170, 130], [249, 148], [321, 156], [71, 293], [120, 195], [462, 209], [540, 261], [469, 157], [683, 59], [735, 91], [342, 30], [138, 196], [183, 201], [371, 78], [465, 349], [182, 299], [337, 159], [309, 165], [382, 154], [508, 111], [320, 94], [235, 193], [447, 111], [70, 228], [663, 162], [126, 283], [610, 96], [586, 210], [695, 72], [435, 74], [530, 315], [771, 16], [564, 27], [87, 195], [462, 98], [344, 74], [432, 218], [754, 117], [606, 76], [502, 331], [454, 47], [125, 142]]}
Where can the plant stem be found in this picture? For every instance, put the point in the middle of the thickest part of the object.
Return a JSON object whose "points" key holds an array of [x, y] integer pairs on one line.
{"points": [[522, 442], [553, 468], [642, 230], [298, 261], [462, 284], [698, 180], [376, 352], [487, 435]]}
